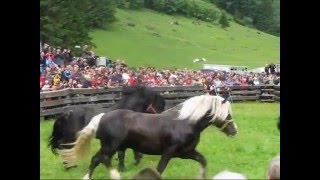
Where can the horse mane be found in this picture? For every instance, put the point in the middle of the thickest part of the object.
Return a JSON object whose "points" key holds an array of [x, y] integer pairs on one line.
{"points": [[196, 107]]}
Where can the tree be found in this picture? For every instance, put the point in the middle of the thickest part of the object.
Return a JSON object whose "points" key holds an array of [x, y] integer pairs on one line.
{"points": [[223, 21], [263, 18], [100, 12], [68, 22], [136, 4]]}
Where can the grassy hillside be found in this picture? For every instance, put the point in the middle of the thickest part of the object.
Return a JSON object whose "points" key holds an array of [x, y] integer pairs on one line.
{"points": [[154, 41]]}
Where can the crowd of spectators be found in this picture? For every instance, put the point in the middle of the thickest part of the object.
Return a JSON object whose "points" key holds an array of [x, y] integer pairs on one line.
{"points": [[59, 69]]}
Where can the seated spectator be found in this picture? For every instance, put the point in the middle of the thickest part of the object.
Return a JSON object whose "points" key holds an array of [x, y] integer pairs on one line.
{"points": [[94, 83], [256, 81], [217, 84], [224, 175], [274, 169], [46, 87]]}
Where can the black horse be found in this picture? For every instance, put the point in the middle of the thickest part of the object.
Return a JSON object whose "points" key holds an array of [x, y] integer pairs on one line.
{"points": [[73, 119], [173, 133]]}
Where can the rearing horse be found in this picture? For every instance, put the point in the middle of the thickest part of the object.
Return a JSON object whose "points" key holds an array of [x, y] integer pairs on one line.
{"points": [[73, 119], [173, 133]]}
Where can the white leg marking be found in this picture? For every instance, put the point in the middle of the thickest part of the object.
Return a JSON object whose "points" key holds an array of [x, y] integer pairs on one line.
{"points": [[235, 125], [86, 177], [114, 174], [202, 172]]}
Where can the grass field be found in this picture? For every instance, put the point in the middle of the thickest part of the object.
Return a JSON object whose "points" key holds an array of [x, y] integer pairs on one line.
{"points": [[177, 45], [249, 153]]}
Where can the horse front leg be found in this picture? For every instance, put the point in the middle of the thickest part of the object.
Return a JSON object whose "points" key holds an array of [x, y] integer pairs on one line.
{"points": [[95, 161], [165, 158], [195, 155], [121, 156], [137, 157]]}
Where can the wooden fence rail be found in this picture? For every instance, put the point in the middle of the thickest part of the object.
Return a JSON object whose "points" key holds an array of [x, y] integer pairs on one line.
{"points": [[52, 103]]}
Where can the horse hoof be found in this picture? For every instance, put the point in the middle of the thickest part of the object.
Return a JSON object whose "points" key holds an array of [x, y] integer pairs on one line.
{"points": [[135, 162], [86, 177]]}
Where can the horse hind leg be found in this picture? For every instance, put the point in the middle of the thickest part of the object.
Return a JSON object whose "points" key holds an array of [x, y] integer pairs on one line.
{"points": [[137, 157], [106, 157], [195, 155]]}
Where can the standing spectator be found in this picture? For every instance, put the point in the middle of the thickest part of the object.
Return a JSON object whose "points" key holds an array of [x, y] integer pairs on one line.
{"points": [[56, 81], [42, 62], [68, 56], [58, 58], [42, 80], [266, 69], [272, 67], [125, 77]]}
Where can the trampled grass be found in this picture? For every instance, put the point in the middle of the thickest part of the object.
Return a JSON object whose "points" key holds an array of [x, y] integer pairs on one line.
{"points": [[249, 153], [153, 41]]}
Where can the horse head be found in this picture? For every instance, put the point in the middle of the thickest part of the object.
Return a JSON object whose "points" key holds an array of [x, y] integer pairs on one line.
{"points": [[224, 121], [207, 109], [57, 135], [142, 99]]}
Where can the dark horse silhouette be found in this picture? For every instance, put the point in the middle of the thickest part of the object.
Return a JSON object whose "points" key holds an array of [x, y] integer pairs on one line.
{"points": [[173, 133], [73, 119]]}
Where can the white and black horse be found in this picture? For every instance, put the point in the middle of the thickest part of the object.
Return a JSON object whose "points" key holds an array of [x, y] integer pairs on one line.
{"points": [[73, 119], [173, 133]]}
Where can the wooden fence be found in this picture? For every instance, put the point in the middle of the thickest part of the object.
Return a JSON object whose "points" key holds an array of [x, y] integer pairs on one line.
{"points": [[52, 103]]}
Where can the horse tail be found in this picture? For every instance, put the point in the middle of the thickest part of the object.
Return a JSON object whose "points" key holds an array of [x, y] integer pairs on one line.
{"points": [[81, 148]]}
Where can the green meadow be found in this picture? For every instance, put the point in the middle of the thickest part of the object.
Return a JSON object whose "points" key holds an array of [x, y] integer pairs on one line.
{"points": [[250, 152]]}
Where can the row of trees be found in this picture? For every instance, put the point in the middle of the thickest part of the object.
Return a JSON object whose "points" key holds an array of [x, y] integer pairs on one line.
{"points": [[261, 14], [68, 22]]}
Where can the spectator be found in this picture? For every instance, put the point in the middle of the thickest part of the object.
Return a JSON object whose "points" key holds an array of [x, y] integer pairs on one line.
{"points": [[274, 169], [58, 58], [256, 81], [46, 87], [224, 175], [81, 72], [42, 62], [272, 68], [266, 69]]}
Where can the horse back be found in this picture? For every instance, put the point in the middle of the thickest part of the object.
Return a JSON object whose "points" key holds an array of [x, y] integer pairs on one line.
{"points": [[147, 133]]}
